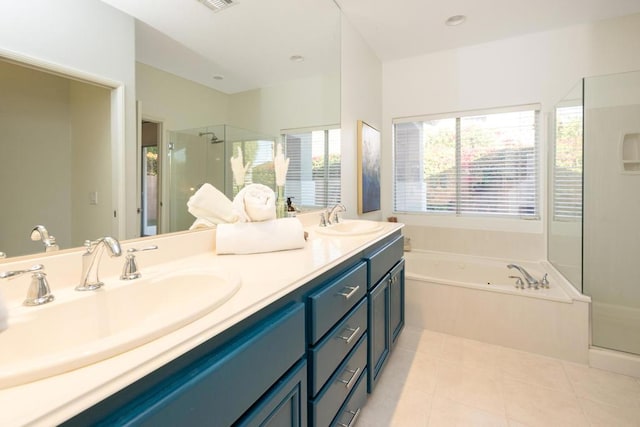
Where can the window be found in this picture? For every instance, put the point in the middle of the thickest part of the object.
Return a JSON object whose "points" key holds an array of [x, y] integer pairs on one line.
{"points": [[567, 167], [468, 164], [313, 178]]}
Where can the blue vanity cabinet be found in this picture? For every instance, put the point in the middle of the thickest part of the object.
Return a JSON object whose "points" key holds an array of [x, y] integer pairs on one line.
{"points": [[385, 268], [260, 372], [285, 405], [337, 347], [379, 336], [396, 301]]}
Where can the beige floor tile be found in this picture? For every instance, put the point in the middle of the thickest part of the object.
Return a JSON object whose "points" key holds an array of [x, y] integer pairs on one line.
{"points": [[470, 386], [539, 406], [445, 413], [601, 414], [602, 386], [408, 369], [534, 369], [420, 340], [471, 354], [410, 408]]}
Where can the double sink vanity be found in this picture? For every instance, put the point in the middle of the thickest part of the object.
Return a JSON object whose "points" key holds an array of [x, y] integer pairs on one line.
{"points": [[290, 338]]}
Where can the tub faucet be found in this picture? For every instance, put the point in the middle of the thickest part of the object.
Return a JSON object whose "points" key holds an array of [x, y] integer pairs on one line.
{"points": [[332, 213], [89, 279], [40, 232], [529, 278]]}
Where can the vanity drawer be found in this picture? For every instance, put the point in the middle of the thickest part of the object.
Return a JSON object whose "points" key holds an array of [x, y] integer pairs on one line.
{"points": [[380, 262], [332, 302], [325, 407], [350, 411], [332, 349]]}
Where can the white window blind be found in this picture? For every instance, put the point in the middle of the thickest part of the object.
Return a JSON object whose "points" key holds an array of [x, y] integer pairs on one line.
{"points": [[567, 165], [313, 178], [473, 165]]}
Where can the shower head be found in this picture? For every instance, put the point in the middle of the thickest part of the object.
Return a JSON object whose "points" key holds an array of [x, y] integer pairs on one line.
{"points": [[214, 139]]}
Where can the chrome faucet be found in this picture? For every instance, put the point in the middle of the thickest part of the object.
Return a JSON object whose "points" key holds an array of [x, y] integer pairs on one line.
{"points": [[130, 270], [39, 292], [332, 213], [89, 279], [40, 232], [529, 278]]}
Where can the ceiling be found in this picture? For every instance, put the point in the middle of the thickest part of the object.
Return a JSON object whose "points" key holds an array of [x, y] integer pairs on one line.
{"points": [[249, 44]]}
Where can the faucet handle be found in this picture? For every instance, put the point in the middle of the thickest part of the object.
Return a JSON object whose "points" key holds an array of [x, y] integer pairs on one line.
{"points": [[39, 291], [519, 282], [545, 281], [323, 220], [130, 269]]}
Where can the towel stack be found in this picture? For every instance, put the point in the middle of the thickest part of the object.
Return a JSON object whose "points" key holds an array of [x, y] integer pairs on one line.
{"points": [[248, 224]]}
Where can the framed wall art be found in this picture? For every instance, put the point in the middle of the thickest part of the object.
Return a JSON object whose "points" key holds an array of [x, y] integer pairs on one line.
{"points": [[368, 168]]}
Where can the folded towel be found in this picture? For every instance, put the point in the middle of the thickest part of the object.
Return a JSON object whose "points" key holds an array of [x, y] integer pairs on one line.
{"points": [[255, 202], [211, 204], [201, 223], [4, 315], [256, 237]]}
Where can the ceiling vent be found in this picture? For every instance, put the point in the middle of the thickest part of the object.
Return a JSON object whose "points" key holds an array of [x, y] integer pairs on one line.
{"points": [[218, 5]]}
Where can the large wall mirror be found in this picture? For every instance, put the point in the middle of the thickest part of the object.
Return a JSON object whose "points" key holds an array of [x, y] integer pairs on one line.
{"points": [[262, 67]]}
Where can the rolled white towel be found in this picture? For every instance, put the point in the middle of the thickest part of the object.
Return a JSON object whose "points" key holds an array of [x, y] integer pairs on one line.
{"points": [[211, 204], [4, 314], [255, 202], [201, 223], [257, 237]]}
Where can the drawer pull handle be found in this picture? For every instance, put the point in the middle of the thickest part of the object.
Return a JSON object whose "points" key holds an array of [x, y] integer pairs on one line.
{"points": [[353, 419], [354, 332], [354, 374], [352, 290]]}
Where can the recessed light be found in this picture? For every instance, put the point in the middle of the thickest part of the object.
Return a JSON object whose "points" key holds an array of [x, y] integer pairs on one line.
{"points": [[454, 20], [296, 58], [218, 77]]}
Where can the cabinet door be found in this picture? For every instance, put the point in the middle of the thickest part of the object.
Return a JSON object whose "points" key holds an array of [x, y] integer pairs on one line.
{"points": [[285, 405], [379, 336], [396, 315]]}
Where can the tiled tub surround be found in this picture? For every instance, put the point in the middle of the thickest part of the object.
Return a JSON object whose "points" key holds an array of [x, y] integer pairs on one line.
{"points": [[474, 297], [265, 279]]}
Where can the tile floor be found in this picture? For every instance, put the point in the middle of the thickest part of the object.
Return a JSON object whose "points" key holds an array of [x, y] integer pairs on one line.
{"points": [[434, 379]]}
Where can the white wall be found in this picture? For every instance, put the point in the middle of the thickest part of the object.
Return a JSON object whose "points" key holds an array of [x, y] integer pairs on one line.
{"points": [[361, 99], [302, 103], [536, 68], [91, 38]]}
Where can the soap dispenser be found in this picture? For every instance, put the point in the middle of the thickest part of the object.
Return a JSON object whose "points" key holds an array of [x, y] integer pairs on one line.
{"points": [[291, 211]]}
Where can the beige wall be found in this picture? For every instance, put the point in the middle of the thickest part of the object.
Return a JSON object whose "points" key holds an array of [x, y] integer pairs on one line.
{"points": [[35, 164], [55, 143], [91, 168]]}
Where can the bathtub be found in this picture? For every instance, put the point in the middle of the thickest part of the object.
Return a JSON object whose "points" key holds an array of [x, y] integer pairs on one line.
{"points": [[474, 297]]}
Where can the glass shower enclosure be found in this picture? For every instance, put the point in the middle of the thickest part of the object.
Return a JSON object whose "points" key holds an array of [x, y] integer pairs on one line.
{"points": [[594, 220], [201, 155]]}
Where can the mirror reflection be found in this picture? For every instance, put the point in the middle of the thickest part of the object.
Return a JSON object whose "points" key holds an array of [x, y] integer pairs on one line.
{"points": [[56, 140]]}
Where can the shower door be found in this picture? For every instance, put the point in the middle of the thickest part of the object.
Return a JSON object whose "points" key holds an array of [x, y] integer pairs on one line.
{"points": [[612, 209]]}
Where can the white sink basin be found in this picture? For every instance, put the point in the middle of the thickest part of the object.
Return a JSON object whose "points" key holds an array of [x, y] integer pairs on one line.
{"points": [[352, 227], [92, 326]]}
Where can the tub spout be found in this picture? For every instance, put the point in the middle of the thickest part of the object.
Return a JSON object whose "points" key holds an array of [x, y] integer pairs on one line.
{"points": [[529, 278]]}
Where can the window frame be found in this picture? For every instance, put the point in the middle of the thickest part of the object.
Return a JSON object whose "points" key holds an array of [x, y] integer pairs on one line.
{"points": [[493, 223], [326, 129]]}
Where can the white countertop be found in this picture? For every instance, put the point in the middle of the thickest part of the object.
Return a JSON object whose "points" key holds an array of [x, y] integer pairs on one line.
{"points": [[265, 279]]}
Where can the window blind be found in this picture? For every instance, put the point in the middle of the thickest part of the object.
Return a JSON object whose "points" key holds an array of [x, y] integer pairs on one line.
{"points": [[313, 178], [481, 165], [567, 165]]}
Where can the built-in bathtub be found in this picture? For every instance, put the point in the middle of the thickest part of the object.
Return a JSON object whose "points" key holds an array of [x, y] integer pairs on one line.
{"points": [[474, 297]]}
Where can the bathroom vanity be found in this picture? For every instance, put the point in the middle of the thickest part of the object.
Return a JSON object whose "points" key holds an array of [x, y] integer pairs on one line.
{"points": [[303, 342]]}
